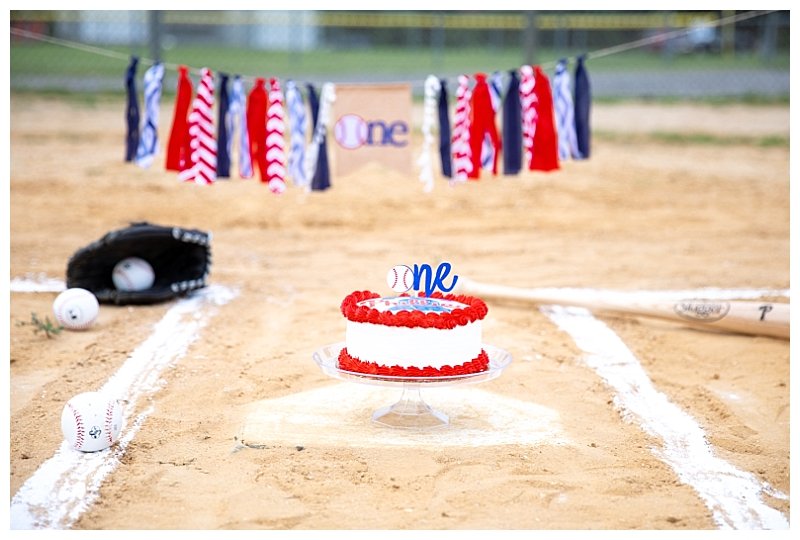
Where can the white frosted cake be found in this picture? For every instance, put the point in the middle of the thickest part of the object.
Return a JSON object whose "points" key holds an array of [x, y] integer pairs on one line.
{"points": [[413, 336]]}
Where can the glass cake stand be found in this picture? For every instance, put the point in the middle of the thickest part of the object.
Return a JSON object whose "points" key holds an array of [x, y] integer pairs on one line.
{"points": [[410, 411]]}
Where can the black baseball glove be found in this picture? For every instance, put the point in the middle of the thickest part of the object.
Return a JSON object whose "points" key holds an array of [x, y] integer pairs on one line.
{"points": [[181, 260]]}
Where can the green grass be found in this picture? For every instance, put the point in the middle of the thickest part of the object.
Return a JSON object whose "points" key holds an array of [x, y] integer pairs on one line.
{"points": [[33, 59], [743, 99], [683, 139], [42, 58]]}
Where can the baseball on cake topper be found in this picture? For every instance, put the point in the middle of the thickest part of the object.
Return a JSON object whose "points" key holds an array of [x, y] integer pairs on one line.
{"points": [[399, 278]]}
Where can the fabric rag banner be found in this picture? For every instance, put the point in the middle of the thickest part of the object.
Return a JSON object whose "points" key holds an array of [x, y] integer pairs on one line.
{"points": [[372, 124]]}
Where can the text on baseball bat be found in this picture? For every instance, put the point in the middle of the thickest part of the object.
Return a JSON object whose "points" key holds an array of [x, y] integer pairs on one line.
{"points": [[702, 311]]}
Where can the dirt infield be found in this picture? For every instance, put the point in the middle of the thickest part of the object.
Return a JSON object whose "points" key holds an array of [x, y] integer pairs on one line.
{"points": [[643, 214]]}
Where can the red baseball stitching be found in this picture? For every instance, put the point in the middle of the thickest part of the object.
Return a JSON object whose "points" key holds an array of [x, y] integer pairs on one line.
{"points": [[405, 278], [109, 422], [394, 271], [79, 428]]}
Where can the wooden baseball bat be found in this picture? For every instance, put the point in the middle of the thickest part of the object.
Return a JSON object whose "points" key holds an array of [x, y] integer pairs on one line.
{"points": [[740, 316]]}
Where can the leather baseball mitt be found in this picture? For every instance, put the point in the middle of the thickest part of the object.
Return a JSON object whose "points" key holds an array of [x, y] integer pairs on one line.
{"points": [[180, 258]]}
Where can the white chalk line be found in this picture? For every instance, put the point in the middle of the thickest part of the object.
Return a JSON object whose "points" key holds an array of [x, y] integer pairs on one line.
{"points": [[67, 484], [735, 497], [37, 283]]}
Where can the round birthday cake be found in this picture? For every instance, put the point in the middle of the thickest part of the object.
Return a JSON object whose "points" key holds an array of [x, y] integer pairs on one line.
{"points": [[413, 336]]}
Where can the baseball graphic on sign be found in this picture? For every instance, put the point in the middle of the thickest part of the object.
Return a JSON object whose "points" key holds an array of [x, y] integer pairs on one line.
{"points": [[91, 421], [350, 131], [400, 278], [76, 308], [133, 274]]}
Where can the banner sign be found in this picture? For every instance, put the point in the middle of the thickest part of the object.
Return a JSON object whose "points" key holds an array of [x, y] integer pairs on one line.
{"points": [[372, 124]]}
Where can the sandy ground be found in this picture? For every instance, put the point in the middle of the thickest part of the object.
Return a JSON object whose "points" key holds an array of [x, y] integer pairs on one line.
{"points": [[639, 215]]}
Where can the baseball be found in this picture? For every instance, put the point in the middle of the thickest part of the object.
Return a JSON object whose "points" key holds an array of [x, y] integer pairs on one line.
{"points": [[351, 131], [76, 308], [133, 274], [400, 278], [91, 421]]}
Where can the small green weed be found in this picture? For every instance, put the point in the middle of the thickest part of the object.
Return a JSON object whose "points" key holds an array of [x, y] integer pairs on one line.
{"points": [[47, 326]]}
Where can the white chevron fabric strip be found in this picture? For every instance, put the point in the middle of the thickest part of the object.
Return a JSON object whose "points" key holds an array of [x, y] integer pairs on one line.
{"points": [[237, 110], [528, 101], [429, 115], [565, 113], [276, 145], [462, 153], [148, 137], [297, 140], [203, 144]]}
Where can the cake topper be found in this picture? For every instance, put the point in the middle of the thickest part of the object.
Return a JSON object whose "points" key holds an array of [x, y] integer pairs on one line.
{"points": [[402, 278]]}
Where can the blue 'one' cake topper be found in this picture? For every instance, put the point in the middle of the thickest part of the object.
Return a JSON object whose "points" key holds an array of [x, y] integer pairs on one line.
{"points": [[402, 278]]}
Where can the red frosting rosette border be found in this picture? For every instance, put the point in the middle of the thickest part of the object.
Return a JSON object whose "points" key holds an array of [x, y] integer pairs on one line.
{"points": [[355, 365], [476, 310]]}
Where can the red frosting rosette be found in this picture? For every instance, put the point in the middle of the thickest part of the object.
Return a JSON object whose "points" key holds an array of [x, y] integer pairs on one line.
{"points": [[475, 310], [353, 364]]}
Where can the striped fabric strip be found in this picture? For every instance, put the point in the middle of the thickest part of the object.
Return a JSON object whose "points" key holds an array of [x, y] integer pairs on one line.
{"points": [[297, 125], [148, 137], [528, 101], [565, 113], [495, 82], [425, 161], [202, 166], [462, 154], [276, 145], [237, 113]]}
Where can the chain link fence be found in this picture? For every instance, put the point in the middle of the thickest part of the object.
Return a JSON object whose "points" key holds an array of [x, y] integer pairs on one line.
{"points": [[630, 54]]}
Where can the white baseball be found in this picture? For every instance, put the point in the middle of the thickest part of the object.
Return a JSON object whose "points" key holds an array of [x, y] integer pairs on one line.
{"points": [[76, 308], [400, 278], [351, 131], [133, 274], [91, 421]]}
